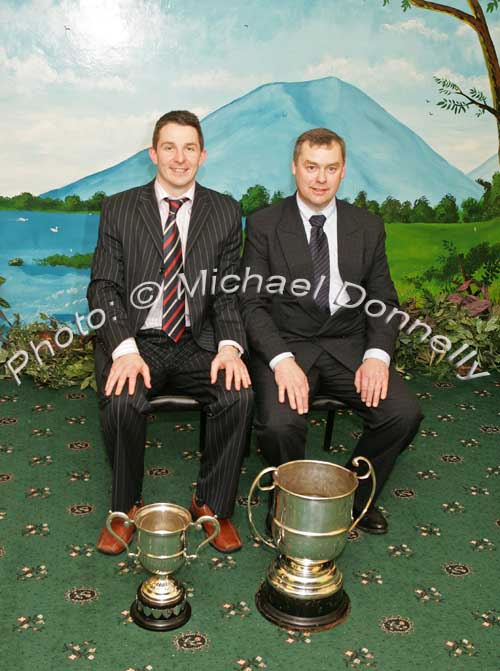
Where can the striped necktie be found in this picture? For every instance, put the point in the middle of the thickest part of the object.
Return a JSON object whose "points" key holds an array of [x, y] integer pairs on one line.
{"points": [[318, 245], [174, 303]]}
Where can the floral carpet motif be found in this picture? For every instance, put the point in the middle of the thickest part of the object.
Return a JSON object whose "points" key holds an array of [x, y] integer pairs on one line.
{"points": [[425, 595]]}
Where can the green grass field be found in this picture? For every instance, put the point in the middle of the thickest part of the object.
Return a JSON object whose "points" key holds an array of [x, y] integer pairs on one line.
{"points": [[412, 248]]}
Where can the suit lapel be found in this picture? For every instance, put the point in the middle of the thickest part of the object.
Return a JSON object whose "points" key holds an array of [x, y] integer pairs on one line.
{"points": [[293, 239], [148, 208], [199, 213], [349, 243]]}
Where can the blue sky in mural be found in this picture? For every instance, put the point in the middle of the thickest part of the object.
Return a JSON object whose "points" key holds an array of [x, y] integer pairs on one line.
{"points": [[81, 82]]}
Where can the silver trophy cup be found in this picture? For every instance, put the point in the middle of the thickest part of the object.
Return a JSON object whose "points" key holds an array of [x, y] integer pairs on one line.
{"points": [[161, 604], [312, 518]]}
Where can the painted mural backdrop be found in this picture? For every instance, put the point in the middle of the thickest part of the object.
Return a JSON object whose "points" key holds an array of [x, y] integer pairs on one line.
{"points": [[412, 86]]}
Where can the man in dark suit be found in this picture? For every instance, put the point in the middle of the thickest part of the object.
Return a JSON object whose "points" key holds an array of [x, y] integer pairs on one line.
{"points": [[157, 336], [316, 332]]}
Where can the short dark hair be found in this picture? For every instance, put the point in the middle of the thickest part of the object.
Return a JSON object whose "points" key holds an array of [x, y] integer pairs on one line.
{"points": [[318, 137], [181, 117]]}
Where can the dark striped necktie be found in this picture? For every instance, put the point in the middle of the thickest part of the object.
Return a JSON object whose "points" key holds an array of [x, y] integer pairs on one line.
{"points": [[174, 304], [318, 245]]}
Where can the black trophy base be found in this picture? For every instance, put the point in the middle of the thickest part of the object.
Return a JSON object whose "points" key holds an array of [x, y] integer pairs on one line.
{"points": [[302, 614], [148, 616]]}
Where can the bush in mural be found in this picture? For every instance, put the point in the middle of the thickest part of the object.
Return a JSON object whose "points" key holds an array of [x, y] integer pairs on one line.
{"points": [[73, 365], [481, 333], [72, 203]]}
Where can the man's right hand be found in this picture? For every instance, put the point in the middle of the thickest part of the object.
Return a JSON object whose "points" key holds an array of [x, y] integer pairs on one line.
{"points": [[291, 379], [127, 367]]}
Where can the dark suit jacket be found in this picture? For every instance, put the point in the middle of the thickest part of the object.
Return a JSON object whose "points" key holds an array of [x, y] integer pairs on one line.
{"points": [[276, 244], [129, 253]]}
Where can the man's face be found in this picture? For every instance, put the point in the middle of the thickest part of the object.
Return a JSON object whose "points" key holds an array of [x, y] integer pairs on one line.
{"points": [[177, 156], [318, 173]]}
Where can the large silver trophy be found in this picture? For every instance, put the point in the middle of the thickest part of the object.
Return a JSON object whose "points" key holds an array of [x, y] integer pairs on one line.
{"points": [[311, 521], [161, 604]]}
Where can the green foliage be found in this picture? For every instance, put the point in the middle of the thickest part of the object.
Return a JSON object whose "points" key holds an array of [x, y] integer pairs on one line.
{"points": [[3, 302], [75, 261], [405, 214], [448, 88], [472, 210], [254, 199], [422, 211], [72, 203], [406, 5], [276, 197], [446, 211], [481, 262], [390, 210], [446, 319], [491, 197], [70, 366], [361, 200]]}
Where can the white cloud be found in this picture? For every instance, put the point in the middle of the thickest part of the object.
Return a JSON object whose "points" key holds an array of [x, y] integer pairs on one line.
{"points": [[367, 75], [416, 26], [47, 150], [34, 72], [222, 79]]}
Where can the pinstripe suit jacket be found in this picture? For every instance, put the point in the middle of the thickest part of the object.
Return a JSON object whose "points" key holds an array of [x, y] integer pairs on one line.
{"points": [[129, 253]]}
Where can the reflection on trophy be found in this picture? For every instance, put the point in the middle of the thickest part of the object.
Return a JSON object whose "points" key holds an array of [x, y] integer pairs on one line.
{"points": [[312, 518], [161, 604]]}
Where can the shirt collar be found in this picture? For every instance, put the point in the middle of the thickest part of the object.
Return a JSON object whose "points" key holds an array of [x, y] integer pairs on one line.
{"points": [[307, 213], [161, 194]]}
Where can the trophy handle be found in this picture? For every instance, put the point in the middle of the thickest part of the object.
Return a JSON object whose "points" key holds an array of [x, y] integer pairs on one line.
{"points": [[127, 522], [197, 525], [370, 472], [255, 483]]}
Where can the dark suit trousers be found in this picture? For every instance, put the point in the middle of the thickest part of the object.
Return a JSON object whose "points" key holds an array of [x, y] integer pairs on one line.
{"points": [[180, 368], [388, 429]]}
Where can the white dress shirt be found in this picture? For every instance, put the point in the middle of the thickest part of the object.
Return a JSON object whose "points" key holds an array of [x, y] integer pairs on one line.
{"points": [[337, 295], [154, 316]]}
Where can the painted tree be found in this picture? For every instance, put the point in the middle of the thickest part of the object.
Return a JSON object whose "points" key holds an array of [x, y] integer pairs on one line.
{"points": [[457, 100]]}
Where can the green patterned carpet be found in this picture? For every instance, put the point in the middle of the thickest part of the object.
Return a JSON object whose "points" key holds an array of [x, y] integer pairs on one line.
{"points": [[426, 596]]}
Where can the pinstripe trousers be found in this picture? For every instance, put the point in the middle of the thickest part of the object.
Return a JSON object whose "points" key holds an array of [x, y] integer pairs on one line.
{"points": [[184, 368]]}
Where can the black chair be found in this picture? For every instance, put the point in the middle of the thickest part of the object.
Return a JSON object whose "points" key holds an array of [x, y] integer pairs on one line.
{"points": [[329, 405], [172, 402]]}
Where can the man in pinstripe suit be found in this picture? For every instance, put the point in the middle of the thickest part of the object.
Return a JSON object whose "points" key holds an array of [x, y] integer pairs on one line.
{"points": [[148, 236]]}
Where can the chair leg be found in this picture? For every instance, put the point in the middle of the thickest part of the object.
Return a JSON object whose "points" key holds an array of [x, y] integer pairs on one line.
{"points": [[203, 429], [248, 441], [329, 430]]}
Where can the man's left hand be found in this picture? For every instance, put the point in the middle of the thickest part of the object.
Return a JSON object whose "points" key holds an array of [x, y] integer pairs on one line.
{"points": [[228, 359], [371, 381]]}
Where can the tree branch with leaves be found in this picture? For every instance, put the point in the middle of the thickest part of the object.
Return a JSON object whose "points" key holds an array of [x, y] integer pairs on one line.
{"points": [[476, 19]]}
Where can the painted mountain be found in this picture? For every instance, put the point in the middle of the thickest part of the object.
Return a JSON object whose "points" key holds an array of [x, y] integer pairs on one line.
{"points": [[486, 169], [250, 141]]}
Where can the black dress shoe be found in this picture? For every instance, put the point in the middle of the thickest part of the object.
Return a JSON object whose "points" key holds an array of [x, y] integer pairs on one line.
{"points": [[373, 522]]}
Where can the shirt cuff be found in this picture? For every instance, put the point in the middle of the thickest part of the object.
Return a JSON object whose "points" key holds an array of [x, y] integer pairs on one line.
{"points": [[279, 357], [127, 346], [376, 353], [233, 343]]}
